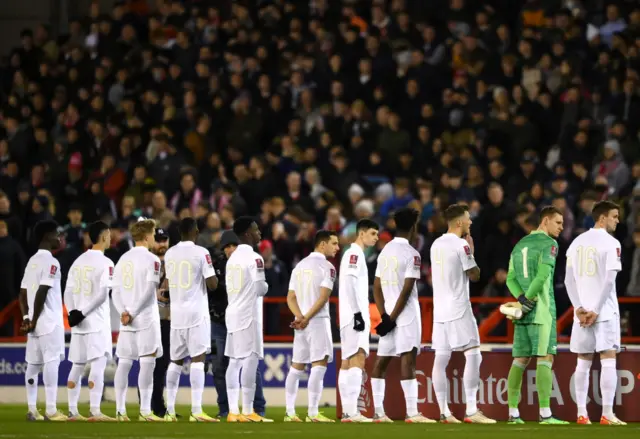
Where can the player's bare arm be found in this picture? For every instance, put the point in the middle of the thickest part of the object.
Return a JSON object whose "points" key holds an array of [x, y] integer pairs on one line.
{"points": [[212, 283], [473, 274], [24, 308], [378, 297], [38, 303]]}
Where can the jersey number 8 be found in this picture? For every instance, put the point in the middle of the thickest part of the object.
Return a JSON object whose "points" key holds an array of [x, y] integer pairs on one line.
{"points": [[234, 279]]}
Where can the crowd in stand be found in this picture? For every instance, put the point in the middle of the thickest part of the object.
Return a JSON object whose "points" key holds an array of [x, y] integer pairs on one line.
{"points": [[313, 114]]}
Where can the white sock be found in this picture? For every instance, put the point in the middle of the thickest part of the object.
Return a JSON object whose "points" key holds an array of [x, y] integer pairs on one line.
{"points": [[439, 379], [121, 384], [471, 378], [314, 387], [172, 384], [145, 383], [343, 387], [377, 388], [74, 384], [291, 389], [581, 382], [514, 412], [232, 379], [410, 389], [355, 385], [96, 384], [545, 412], [31, 384], [608, 384], [248, 382], [50, 378], [196, 376]]}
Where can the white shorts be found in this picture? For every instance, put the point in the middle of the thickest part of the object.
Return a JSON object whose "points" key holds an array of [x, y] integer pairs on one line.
{"points": [[87, 347], [456, 335], [44, 348], [135, 344], [190, 342], [602, 336], [402, 339], [351, 341], [313, 343], [241, 344]]}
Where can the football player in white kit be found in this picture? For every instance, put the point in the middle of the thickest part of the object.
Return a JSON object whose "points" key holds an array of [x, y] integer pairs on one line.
{"points": [[86, 297], [355, 323], [135, 281], [396, 297], [454, 325], [246, 286], [189, 273], [310, 287], [593, 261], [41, 306]]}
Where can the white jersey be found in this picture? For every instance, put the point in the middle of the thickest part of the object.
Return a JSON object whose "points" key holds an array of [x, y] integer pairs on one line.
{"points": [[87, 290], [244, 278], [308, 277], [589, 257], [188, 266], [138, 271], [451, 257], [398, 261], [44, 269], [353, 267]]}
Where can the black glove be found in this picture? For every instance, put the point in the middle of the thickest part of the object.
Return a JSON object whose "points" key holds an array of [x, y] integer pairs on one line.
{"points": [[527, 305], [358, 322], [75, 317], [386, 326]]}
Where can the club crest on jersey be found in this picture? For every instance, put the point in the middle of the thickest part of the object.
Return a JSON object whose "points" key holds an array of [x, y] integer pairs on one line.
{"points": [[208, 258], [156, 267], [467, 250], [416, 261], [259, 264], [554, 251], [53, 271], [332, 273]]}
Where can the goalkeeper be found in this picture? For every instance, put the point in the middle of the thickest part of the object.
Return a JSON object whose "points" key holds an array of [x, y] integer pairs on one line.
{"points": [[530, 280]]}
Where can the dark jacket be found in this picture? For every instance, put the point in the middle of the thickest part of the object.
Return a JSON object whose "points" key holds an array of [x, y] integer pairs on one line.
{"points": [[218, 297]]}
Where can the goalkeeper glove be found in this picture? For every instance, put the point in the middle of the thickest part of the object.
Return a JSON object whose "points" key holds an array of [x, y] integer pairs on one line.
{"points": [[527, 305], [386, 326], [75, 317]]}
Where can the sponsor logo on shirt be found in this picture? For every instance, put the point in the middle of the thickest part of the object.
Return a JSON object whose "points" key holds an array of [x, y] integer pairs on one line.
{"points": [[53, 271], [554, 251], [332, 273], [416, 261], [259, 264], [208, 258]]}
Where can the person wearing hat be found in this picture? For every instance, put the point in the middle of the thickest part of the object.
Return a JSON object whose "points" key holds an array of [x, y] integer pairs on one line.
{"points": [[217, 306]]}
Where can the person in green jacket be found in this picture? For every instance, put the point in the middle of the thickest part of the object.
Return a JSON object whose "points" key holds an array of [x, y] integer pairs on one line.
{"points": [[530, 280]]}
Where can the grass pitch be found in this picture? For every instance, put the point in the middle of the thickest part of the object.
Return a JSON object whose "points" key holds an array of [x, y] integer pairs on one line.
{"points": [[14, 426]]}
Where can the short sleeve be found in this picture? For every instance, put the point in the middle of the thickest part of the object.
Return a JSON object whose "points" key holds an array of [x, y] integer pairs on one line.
{"points": [[614, 257], [549, 253], [328, 277], [106, 279], [351, 267], [153, 273], [207, 266], [466, 256], [257, 268], [413, 267], [50, 273]]}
